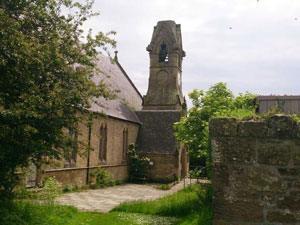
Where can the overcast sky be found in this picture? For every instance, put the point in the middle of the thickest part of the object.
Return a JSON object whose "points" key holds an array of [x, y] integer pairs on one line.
{"points": [[251, 45]]}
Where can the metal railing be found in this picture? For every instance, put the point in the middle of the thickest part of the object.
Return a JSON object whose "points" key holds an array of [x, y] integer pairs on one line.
{"points": [[195, 172]]}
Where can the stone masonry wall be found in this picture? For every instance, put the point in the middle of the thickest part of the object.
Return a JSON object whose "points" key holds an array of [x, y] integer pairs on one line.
{"points": [[256, 168], [114, 164], [163, 166]]}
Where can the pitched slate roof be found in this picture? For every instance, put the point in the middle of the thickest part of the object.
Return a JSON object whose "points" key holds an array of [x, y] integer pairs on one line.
{"points": [[128, 99], [156, 135]]}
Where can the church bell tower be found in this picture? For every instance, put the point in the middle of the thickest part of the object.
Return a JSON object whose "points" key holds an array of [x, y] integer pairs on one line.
{"points": [[163, 105], [165, 81]]}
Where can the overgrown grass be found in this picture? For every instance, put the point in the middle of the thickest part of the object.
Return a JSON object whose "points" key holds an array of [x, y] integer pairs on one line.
{"points": [[191, 205], [29, 213]]}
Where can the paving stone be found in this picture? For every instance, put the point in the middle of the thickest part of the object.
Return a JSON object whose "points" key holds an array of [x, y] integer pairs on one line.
{"points": [[104, 200]]}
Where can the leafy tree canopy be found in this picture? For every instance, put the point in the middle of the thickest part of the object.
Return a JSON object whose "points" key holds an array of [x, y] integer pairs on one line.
{"points": [[217, 101], [46, 65]]}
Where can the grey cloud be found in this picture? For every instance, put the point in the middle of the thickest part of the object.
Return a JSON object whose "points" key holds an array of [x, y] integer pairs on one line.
{"points": [[260, 53]]}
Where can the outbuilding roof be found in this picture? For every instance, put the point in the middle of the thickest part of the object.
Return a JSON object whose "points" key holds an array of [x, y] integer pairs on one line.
{"points": [[271, 97]]}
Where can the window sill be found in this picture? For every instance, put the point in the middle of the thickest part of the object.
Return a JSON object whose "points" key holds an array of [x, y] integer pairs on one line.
{"points": [[103, 162], [71, 164]]}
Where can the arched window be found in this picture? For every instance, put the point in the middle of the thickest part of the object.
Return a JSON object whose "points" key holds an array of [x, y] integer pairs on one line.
{"points": [[103, 142], [163, 53], [125, 143], [70, 156]]}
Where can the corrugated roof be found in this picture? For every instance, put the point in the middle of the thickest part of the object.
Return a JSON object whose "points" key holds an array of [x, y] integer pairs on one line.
{"points": [[271, 97], [128, 99], [288, 104]]}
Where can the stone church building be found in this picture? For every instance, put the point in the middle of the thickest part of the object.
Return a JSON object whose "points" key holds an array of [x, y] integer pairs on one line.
{"points": [[132, 118]]}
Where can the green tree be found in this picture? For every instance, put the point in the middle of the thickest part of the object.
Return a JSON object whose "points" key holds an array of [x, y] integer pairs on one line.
{"points": [[46, 65], [193, 129]]}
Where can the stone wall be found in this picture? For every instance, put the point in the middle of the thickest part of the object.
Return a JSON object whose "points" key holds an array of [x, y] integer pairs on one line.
{"points": [[164, 166], [256, 168]]}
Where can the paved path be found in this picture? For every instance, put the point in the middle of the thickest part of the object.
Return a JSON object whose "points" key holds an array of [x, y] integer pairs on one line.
{"points": [[103, 200]]}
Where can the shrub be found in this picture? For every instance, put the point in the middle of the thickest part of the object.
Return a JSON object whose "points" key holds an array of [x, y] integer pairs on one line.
{"points": [[117, 182], [102, 177], [138, 164], [67, 188], [51, 189], [21, 193]]}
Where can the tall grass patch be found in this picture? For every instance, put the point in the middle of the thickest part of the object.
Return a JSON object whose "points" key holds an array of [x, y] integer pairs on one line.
{"points": [[30, 213], [185, 202]]}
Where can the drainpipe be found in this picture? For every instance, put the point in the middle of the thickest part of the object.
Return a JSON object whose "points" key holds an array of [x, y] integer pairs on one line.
{"points": [[88, 157]]}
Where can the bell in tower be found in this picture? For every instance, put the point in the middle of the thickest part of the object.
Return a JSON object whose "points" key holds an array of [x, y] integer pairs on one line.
{"points": [[166, 55]]}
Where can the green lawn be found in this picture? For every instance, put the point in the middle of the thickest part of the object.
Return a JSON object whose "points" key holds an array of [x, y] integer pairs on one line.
{"points": [[190, 206]]}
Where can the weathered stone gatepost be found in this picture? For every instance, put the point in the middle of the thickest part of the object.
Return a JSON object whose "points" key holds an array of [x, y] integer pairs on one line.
{"points": [[256, 168]]}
